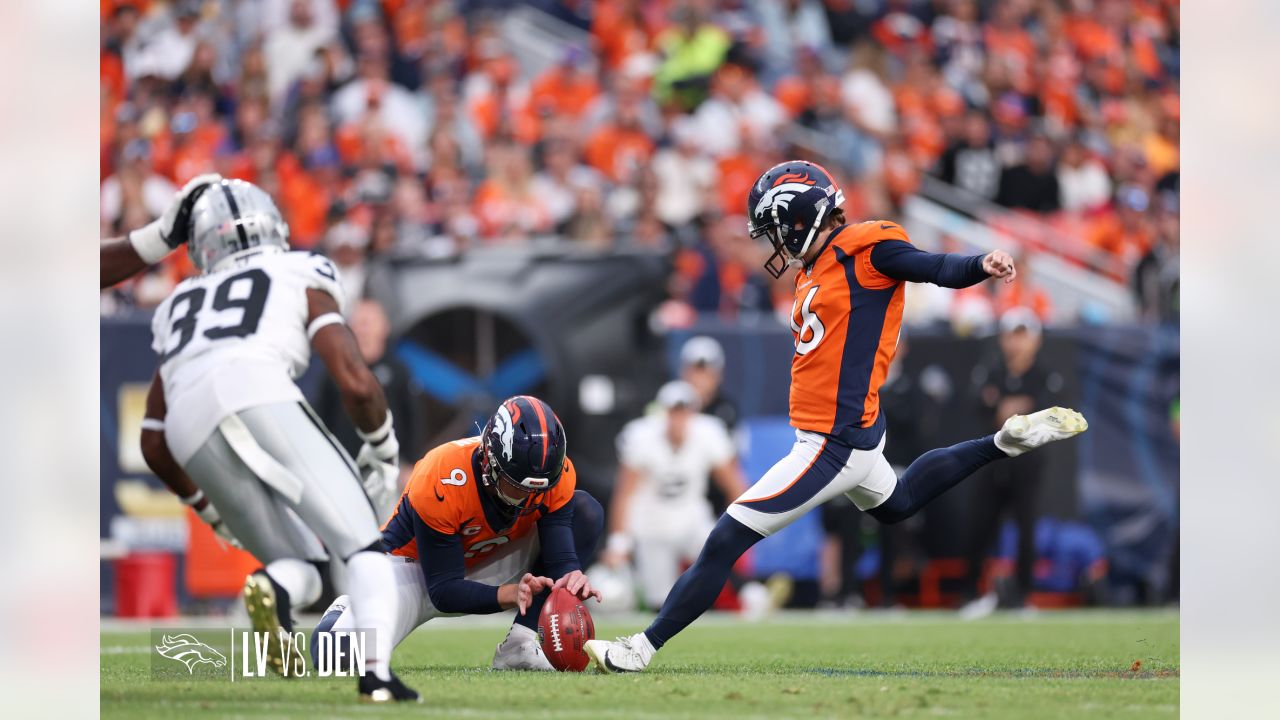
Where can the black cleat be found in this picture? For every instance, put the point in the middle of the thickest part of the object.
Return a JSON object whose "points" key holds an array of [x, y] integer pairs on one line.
{"points": [[375, 690]]}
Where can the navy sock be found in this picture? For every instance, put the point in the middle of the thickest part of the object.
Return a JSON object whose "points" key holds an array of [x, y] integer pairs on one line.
{"points": [[588, 526], [700, 585], [932, 474]]}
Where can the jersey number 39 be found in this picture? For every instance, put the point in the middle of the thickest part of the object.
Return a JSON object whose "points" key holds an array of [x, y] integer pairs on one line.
{"points": [[251, 305]]}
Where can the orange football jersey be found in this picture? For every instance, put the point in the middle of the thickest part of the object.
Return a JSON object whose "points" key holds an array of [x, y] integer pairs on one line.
{"points": [[444, 492], [845, 321]]}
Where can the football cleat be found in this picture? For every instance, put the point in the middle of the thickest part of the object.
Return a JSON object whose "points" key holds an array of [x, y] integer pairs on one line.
{"points": [[521, 651], [269, 612], [979, 607], [1028, 432], [626, 654], [376, 690]]}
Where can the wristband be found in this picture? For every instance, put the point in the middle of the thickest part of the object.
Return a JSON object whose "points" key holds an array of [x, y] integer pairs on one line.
{"points": [[153, 424], [193, 499], [323, 321], [619, 543], [378, 436], [149, 243]]}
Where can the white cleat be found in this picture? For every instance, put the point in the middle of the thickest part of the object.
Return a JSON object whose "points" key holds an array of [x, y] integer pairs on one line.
{"points": [[626, 654], [1028, 432], [979, 607], [521, 651]]}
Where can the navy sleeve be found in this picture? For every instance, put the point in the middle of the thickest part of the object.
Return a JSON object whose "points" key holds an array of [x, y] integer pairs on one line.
{"points": [[555, 535], [901, 260], [444, 567]]}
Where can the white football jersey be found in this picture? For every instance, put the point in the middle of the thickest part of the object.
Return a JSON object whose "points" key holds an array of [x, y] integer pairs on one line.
{"points": [[673, 484], [235, 339]]}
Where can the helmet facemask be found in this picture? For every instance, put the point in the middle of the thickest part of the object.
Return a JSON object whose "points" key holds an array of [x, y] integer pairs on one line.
{"points": [[779, 233], [507, 491]]}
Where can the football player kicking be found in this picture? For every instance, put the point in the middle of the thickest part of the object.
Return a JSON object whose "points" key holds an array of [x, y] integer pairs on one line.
{"points": [[845, 321], [224, 412], [487, 524]]}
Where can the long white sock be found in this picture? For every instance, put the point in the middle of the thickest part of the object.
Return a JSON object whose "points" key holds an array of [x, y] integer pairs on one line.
{"points": [[373, 597], [299, 578]]}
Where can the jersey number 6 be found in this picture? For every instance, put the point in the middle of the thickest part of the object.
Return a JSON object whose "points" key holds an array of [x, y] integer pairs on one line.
{"points": [[805, 322]]}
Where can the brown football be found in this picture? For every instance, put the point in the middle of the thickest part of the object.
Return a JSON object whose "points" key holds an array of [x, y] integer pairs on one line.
{"points": [[564, 628]]}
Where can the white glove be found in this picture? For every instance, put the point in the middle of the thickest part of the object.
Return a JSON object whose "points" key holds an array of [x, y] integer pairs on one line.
{"points": [[379, 463], [209, 514], [156, 239]]}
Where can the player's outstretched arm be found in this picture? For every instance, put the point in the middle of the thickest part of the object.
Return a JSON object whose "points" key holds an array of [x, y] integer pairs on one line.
{"points": [[122, 258], [155, 451], [900, 260]]}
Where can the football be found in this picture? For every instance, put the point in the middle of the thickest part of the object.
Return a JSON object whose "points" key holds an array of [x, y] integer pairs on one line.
{"points": [[564, 628]]}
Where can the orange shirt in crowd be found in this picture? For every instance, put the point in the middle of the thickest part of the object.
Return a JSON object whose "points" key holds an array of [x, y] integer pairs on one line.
{"points": [[1109, 234], [501, 209], [737, 173], [557, 94], [616, 151]]}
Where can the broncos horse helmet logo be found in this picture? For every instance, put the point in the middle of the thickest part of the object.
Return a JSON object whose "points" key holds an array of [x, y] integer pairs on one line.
{"points": [[189, 651], [504, 428]]}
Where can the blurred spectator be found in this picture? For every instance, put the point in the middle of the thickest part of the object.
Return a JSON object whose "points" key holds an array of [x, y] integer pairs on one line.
{"points": [[621, 147], [1082, 180], [1013, 383], [568, 88], [659, 513], [788, 26], [405, 396], [691, 51], [507, 204], [686, 177], [372, 102], [346, 244], [702, 366], [290, 48], [1156, 276], [134, 186], [561, 180], [1126, 232], [162, 45], [1032, 184], [970, 162]]}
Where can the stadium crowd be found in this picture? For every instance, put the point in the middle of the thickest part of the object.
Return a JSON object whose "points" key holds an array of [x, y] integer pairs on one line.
{"points": [[409, 127]]}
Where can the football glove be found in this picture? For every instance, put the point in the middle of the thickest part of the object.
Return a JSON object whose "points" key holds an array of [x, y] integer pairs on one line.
{"points": [[379, 463], [156, 239]]}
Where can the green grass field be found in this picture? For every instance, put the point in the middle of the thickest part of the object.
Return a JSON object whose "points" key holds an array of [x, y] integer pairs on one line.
{"points": [[1052, 665]]}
